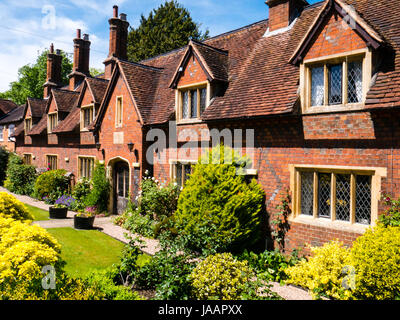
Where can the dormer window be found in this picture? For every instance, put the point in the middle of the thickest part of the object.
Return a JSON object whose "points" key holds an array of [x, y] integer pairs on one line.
{"points": [[52, 121], [336, 83], [192, 102], [87, 116]]}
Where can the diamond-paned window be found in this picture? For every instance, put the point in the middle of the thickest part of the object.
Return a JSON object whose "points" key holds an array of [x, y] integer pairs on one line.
{"points": [[343, 197], [324, 195], [307, 193], [317, 86], [185, 104], [363, 199], [335, 84], [193, 103], [354, 85]]}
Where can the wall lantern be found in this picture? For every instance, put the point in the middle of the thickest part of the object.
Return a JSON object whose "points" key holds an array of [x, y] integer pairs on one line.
{"points": [[130, 146], [98, 146]]}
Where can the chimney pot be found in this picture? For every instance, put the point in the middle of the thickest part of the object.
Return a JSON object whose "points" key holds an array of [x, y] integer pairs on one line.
{"points": [[58, 51], [86, 37], [115, 11], [122, 16], [52, 48], [78, 33]]}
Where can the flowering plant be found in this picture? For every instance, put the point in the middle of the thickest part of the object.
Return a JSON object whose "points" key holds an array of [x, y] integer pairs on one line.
{"points": [[88, 212], [64, 202]]}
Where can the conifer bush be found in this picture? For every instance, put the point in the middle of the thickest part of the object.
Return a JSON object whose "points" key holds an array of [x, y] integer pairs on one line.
{"points": [[217, 209], [100, 192], [3, 164], [20, 178]]}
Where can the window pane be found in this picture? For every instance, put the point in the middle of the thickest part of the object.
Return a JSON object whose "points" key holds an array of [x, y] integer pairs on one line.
{"points": [[203, 100], [317, 86], [355, 82], [120, 183], [324, 195], [126, 195], [363, 199], [188, 171], [179, 174], [307, 193], [185, 105], [343, 197], [335, 84], [193, 102]]}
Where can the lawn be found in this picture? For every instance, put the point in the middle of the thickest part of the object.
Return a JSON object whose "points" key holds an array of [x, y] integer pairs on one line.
{"points": [[86, 250], [38, 214]]}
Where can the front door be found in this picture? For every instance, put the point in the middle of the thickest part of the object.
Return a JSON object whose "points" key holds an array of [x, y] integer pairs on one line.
{"points": [[121, 187]]}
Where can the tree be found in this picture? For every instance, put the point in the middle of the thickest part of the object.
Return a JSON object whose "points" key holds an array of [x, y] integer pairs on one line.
{"points": [[167, 28], [32, 77]]}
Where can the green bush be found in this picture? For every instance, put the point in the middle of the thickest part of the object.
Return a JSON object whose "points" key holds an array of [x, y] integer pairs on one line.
{"points": [[103, 281], [376, 259], [270, 265], [51, 185], [100, 191], [218, 210], [3, 164], [138, 224], [391, 217], [20, 177], [222, 277], [10, 207], [80, 192]]}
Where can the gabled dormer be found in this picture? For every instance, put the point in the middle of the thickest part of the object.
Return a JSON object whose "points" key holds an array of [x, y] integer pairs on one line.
{"points": [[201, 75], [336, 59]]}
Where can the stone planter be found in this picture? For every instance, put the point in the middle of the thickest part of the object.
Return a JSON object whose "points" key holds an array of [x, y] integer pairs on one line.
{"points": [[58, 213], [83, 223]]}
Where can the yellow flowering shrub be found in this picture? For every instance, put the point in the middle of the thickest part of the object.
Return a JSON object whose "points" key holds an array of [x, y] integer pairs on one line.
{"points": [[376, 258], [13, 208], [25, 249], [323, 273], [220, 277]]}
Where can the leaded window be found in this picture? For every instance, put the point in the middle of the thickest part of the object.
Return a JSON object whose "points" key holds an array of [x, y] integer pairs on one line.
{"points": [[193, 102], [324, 195], [354, 79], [335, 84], [182, 172], [317, 86], [307, 193]]}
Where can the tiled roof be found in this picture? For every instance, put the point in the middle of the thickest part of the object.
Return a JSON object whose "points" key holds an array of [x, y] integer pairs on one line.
{"points": [[38, 106], [19, 129], [15, 115], [65, 99], [70, 123], [7, 106], [39, 128], [98, 88]]}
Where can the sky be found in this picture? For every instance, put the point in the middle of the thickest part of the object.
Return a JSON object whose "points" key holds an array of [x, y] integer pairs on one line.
{"points": [[27, 27]]}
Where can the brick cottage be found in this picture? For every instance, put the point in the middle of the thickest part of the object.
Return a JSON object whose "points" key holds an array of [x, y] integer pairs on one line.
{"points": [[319, 85]]}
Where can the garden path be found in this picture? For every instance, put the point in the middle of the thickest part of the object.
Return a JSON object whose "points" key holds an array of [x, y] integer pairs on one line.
{"points": [[106, 225]]}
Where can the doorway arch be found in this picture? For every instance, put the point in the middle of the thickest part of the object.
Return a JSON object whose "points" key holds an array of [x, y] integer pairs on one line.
{"points": [[120, 176]]}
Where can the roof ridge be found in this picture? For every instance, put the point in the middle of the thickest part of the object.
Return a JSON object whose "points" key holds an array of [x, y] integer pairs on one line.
{"points": [[211, 47], [140, 65]]}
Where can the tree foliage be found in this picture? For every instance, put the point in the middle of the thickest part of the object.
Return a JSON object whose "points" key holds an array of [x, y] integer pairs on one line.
{"points": [[166, 28], [32, 77]]}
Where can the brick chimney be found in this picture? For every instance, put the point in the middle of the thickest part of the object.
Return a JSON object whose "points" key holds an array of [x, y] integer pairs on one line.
{"points": [[283, 12], [80, 67], [118, 41], [53, 79]]}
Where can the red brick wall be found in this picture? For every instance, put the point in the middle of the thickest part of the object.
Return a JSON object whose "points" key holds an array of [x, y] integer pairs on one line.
{"points": [[350, 139], [336, 37], [193, 73]]}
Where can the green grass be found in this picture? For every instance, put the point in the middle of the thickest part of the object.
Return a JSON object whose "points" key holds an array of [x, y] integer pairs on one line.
{"points": [[86, 250], [38, 214]]}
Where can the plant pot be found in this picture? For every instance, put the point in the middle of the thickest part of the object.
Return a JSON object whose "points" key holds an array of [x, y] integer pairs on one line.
{"points": [[58, 213], [83, 223]]}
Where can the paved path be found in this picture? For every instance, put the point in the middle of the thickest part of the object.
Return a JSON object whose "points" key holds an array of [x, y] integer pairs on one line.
{"points": [[107, 226]]}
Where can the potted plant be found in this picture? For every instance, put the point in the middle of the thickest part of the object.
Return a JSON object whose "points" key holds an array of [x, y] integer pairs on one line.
{"points": [[60, 208], [84, 220]]}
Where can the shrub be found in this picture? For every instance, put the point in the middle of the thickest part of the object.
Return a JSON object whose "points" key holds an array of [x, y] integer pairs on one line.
{"points": [[3, 164], [103, 280], [80, 192], [10, 207], [375, 257], [221, 277], [25, 249], [270, 265], [217, 209], [323, 273], [51, 185], [100, 191], [138, 224], [20, 177]]}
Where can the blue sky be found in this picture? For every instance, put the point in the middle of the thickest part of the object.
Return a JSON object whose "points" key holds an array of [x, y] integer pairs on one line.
{"points": [[29, 26]]}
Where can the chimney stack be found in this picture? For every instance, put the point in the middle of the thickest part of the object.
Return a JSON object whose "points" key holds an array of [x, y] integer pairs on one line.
{"points": [[53, 79], [81, 60], [283, 12], [118, 41]]}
